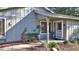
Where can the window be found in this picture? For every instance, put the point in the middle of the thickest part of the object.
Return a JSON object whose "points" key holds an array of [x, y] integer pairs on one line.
{"points": [[2, 27], [59, 26], [43, 27]]}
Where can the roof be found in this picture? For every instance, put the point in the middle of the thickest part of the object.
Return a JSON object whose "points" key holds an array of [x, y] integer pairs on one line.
{"points": [[46, 12], [65, 16], [50, 13]]}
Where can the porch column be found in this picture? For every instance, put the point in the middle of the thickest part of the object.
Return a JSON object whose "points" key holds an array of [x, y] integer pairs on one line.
{"points": [[67, 31], [47, 29]]}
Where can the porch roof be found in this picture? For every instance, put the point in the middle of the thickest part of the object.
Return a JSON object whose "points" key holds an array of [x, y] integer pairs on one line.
{"points": [[51, 14], [65, 16]]}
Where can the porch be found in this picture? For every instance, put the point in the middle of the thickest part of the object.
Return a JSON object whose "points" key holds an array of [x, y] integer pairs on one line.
{"points": [[52, 29]]}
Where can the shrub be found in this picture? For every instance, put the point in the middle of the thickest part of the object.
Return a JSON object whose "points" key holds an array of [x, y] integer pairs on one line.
{"points": [[72, 41], [65, 42], [52, 45], [59, 43], [29, 37], [33, 36], [44, 44], [78, 41]]}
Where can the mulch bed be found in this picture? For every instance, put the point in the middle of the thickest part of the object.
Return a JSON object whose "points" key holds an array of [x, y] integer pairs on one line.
{"points": [[69, 47], [63, 47]]}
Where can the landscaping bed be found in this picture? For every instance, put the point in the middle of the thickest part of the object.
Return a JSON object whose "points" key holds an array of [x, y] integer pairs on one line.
{"points": [[38, 48], [24, 47], [69, 47], [61, 46]]}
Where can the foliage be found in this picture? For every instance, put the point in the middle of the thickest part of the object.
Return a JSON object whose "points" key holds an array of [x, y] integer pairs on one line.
{"points": [[52, 45], [72, 41], [78, 41], [59, 43], [33, 36], [44, 44], [29, 37], [73, 11], [65, 42]]}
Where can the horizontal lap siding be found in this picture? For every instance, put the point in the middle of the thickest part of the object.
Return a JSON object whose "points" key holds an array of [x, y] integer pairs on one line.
{"points": [[73, 29]]}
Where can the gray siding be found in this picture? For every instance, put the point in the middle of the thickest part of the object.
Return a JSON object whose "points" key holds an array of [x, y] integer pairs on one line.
{"points": [[73, 29], [30, 22]]}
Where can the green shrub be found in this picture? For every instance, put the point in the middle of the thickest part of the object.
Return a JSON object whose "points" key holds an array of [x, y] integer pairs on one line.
{"points": [[78, 41], [72, 41], [52, 45], [44, 44], [59, 43], [33, 36], [65, 42]]}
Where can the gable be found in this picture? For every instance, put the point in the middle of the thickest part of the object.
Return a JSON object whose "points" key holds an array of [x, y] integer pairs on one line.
{"points": [[43, 11]]}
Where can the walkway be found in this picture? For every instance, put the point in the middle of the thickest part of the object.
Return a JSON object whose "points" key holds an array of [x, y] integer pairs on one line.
{"points": [[19, 46]]}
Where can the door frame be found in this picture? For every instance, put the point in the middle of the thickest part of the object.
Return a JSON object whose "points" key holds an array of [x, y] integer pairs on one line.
{"points": [[56, 21]]}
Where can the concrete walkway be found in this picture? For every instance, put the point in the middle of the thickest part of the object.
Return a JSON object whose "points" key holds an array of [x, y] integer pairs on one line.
{"points": [[20, 46]]}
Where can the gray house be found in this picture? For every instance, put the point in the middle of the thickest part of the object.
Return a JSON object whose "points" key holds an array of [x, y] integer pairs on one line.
{"points": [[40, 20]]}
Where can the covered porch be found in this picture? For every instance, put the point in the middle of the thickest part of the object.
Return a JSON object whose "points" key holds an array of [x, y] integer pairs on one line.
{"points": [[52, 29]]}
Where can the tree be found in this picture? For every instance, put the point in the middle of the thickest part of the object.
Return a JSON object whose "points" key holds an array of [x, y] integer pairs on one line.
{"points": [[73, 11]]}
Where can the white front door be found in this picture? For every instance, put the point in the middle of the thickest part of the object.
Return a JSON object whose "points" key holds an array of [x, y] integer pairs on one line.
{"points": [[58, 29]]}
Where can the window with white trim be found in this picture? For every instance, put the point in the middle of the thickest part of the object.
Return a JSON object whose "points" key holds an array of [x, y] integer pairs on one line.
{"points": [[2, 27], [59, 26], [44, 27]]}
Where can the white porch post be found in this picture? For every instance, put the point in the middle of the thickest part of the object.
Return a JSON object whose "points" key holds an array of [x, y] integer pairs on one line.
{"points": [[47, 29], [62, 29], [66, 31]]}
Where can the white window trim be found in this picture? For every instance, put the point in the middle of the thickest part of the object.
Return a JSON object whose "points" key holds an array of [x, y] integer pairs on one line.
{"points": [[56, 25], [4, 25], [46, 22]]}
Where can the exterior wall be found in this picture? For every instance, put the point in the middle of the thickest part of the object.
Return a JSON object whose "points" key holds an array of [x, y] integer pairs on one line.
{"points": [[42, 36], [14, 15], [72, 29], [60, 35], [16, 22], [30, 22]]}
